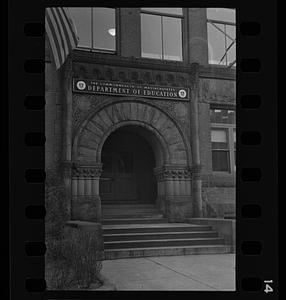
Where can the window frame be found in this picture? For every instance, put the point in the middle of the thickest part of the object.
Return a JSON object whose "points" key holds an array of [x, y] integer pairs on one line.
{"points": [[212, 22], [98, 50], [230, 128], [183, 33]]}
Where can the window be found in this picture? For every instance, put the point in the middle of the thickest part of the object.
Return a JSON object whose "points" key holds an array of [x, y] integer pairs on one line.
{"points": [[220, 150], [221, 36], [223, 140], [95, 27], [161, 33]]}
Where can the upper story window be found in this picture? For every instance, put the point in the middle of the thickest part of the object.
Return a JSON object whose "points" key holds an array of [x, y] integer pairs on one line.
{"points": [[95, 27], [221, 36], [161, 33], [223, 140]]}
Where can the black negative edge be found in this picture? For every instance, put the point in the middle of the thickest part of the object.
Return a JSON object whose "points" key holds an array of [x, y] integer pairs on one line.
{"points": [[266, 265]]}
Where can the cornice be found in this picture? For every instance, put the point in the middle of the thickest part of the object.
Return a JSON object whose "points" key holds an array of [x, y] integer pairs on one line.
{"points": [[129, 62], [217, 72]]}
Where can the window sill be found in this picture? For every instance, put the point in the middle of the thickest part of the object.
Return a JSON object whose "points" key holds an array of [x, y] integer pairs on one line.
{"points": [[157, 60], [222, 66], [90, 50]]}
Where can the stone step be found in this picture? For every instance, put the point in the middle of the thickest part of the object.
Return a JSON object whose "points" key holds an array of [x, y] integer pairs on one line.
{"points": [[165, 251], [104, 202], [163, 243], [138, 215], [158, 236], [129, 210], [153, 228], [134, 221], [124, 206]]}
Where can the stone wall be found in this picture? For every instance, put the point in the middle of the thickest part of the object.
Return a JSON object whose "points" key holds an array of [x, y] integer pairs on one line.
{"points": [[221, 199], [218, 91], [218, 189], [53, 115]]}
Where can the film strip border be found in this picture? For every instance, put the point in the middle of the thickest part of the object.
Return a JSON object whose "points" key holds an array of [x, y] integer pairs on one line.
{"points": [[257, 226]]}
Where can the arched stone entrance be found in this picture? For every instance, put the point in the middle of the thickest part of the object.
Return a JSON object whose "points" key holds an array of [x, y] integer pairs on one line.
{"points": [[169, 145], [128, 164]]}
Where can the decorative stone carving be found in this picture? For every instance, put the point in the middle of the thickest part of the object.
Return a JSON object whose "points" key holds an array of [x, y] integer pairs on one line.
{"points": [[170, 78], [172, 172], [122, 76], [97, 74], [132, 112], [217, 91], [109, 74], [87, 171], [132, 75]]}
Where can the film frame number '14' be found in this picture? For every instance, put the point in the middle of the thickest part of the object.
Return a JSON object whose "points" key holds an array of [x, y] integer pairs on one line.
{"points": [[268, 288]]}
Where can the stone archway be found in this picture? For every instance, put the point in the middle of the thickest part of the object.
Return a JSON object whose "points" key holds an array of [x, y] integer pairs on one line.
{"points": [[170, 145], [129, 160]]}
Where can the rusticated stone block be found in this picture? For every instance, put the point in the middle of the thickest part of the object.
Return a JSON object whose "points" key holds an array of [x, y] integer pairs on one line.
{"points": [[178, 208], [86, 208], [94, 228]]}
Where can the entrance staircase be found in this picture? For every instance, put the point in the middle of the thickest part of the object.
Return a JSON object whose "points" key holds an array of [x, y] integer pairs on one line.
{"points": [[140, 230]]}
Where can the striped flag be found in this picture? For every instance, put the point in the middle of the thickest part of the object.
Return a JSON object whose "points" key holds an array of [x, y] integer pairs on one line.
{"points": [[61, 33]]}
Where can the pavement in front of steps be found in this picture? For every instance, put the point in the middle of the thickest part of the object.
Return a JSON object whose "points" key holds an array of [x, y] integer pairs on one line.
{"points": [[215, 272]]}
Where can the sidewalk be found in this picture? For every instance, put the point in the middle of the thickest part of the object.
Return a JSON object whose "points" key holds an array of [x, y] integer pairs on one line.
{"points": [[190, 272]]}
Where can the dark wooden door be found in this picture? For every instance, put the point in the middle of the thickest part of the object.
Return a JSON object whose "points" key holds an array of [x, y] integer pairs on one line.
{"points": [[118, 181], [127, 168]]}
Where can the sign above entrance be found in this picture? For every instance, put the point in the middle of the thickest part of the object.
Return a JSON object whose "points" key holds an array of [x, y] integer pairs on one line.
{"points": [[129, 89]]}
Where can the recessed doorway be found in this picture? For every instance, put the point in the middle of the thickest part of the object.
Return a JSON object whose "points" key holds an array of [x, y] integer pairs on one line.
{"points": [[128, 163]]}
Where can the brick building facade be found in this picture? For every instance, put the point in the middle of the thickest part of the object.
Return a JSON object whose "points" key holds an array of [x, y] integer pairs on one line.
{"points": [[142, 149]]}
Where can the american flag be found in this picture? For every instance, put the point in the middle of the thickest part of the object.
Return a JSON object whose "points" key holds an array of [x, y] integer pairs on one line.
{"points": [[61, 33]]}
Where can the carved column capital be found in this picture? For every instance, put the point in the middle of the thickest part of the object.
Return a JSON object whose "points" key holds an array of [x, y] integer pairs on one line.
{"points": [[86, 171], [173, 172]]}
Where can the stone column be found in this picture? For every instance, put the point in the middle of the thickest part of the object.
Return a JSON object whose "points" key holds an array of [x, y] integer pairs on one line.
{"points": [[195, 142], [130, 32], [66, 82], [174, 196], [86, 204], [197, 36]]}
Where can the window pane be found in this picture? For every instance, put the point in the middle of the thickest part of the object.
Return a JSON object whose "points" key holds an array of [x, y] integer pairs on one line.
{"points": [[169, 10], [221, 14], [219, 139], [104, 28], [172, 38], [220, 161], [216, 43], [218, 136], [82, 19], [231, 53], [151, 36]]}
